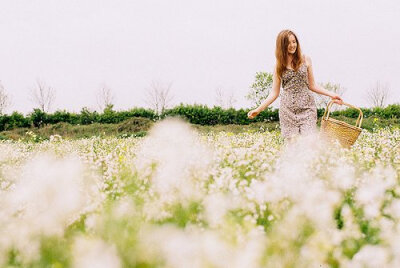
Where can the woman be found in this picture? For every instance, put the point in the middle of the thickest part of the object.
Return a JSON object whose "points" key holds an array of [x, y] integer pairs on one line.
{"points": [[297, 112]]}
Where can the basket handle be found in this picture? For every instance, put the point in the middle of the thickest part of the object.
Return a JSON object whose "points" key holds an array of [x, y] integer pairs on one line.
{"points": [[360, 116]]}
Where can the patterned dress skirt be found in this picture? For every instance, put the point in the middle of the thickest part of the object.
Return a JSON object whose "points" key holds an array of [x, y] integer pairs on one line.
{"points": [[297, 112]]}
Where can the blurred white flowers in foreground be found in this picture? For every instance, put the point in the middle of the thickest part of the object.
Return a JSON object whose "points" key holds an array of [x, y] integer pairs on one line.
{"points": [[94, 253], [177, 198]]}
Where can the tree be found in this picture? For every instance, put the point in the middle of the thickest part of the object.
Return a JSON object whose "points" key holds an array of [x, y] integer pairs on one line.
{"points": [[378, 94], [159, 96], [321, 100], [223, 100], [105, 97], [43, 96], [261, 88], [4, 99]]}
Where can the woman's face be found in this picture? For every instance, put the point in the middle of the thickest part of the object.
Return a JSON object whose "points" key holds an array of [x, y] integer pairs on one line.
{"points": [[292, 44]]}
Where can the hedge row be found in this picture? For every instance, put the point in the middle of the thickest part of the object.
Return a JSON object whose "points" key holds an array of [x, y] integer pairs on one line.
{"points": [[391, 111], [195, 114], [203, 115], [38, 118]]}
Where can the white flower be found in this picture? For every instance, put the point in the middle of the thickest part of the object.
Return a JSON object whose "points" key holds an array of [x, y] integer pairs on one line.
{"points": [[94, 253], [371, 256]]}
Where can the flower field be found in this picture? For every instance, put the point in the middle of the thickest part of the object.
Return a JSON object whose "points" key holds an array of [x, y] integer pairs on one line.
{"points": [[176, 198]]}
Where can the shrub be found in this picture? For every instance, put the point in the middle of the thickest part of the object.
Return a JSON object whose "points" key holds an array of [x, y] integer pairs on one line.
{"points": [[15, 120], [19, 120], [195, 114], [87, 117], [38, 118], [63, 116], [203, 115]]}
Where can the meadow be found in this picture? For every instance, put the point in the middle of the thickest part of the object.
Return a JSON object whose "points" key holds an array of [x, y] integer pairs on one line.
{"points": [[178, 197]]}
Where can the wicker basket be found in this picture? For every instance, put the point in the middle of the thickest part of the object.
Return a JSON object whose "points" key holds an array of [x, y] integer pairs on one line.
{"points": [[345, 133]]}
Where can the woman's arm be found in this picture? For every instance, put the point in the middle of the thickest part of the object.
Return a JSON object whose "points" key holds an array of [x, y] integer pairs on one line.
{"points": [[276, 86], [316, 88]]}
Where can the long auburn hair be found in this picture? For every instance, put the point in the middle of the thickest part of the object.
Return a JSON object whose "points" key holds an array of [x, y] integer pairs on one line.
{"points": [[281, 52]]}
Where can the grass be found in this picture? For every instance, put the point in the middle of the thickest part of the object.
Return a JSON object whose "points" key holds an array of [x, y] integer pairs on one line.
{"points": [[130, 127]]}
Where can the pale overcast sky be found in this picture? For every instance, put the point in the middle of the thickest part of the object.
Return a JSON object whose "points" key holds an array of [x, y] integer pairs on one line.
{"points": [[76, 46]]}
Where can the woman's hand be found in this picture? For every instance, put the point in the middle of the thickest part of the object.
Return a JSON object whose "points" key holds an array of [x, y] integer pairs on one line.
{"points": [[252, 113], [336, 98]]}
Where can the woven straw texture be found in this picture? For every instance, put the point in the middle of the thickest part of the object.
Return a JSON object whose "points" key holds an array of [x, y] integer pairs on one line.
{"points": [[345, 133]]}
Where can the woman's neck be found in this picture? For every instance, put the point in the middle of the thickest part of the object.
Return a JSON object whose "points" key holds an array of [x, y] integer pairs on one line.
{"points": [[289, 60]]}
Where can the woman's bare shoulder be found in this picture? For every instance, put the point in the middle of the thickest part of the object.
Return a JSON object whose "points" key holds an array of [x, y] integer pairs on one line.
{"points": [[307, 59]]}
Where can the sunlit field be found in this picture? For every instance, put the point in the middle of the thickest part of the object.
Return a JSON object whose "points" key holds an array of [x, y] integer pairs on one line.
{"points": [[177, 198]]}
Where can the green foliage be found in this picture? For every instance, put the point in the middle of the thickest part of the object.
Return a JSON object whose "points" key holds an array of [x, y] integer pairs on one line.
{"points": [[15, 120], [87, 117], [38, 117], [261, 88], [195, 114], [109, 116], [203, 115], [390, 112], [136, 112], [54, 252], [136, 124], [182, 215], [133, 127], [63, 116]]}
